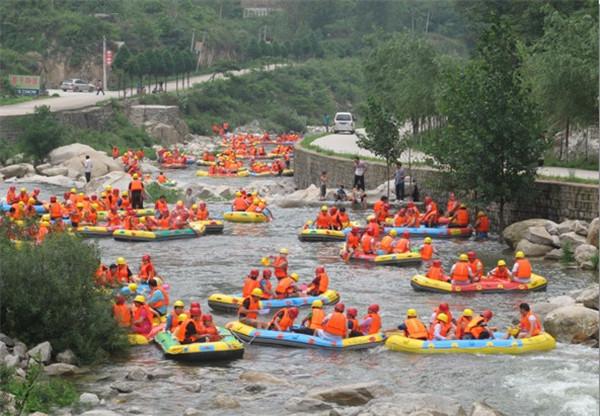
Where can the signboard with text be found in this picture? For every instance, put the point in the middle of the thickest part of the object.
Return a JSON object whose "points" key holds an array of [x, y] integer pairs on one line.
{"points": [[25, 84]]}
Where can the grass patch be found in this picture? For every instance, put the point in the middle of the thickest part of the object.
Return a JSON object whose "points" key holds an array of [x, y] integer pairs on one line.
{"points": [[579, 163], [569, 179], [568, 256], [22, 99], [155, 191]]}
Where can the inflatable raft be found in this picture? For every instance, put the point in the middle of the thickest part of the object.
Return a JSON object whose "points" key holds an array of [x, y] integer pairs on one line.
{"points": [[314, 234], [231, 303], [423, 283], [285, 172], [542, 342], [94, 231], [39, 209], [212, 226], [434, 232], [102, 215], [291, 339], [228, 348], [394, 259], [193, 231], [174, 165], [246, 217], [239, 174]]}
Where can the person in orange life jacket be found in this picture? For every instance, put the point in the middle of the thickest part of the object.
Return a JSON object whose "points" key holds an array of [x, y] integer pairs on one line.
{"points": [[142, 316], [124, 202], [121, 312], [461, 273], [30, 208], [462, 323], [320, 283], [102, 275], [353, 325], [478, 328], [500, 272], [343, 219], [286, 288], [147, 270], [136, 188], [373, 226], [280, 264], [77, 215], [482, 226], [452, 205], [265, 284], [430, 218], [161, 206], [436, 271], [159, 299], [386, 246], [239, 203], [381, 209], [284, 319], [367, 242], [441, 328], [442, 308], [131, 221], [403, 244], [250, 283], [250, 308], [521, 271], [23, 195], [371, 323], [335, 325], [412, 327], [476, 266], [192, 330], [91, 216], [11, 195], [55, 209], [35, 195], [353, 239], [161, 178], [123, 272], [314, 319], [400, 218], [173, 317], [42, 232], [530, 324], [460, 217], [113, 218], [334, 220], [427, 250], [210, 329], [323, 220]]}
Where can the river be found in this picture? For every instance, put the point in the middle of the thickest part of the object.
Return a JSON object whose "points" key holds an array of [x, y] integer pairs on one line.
{"points": [[563, 381]]}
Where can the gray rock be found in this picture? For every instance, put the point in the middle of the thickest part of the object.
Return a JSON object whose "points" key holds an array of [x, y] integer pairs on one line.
{"points": [[38, 414], [574, 240], [60, 369], [100, 412], [303, 404], [134, 410], [413, 405], [255, 388], [552, 228], [194, 387], [89, 399], [556, 241], [587, 265], [565, 227], [67, 357], [160, 373], [20, 350], [19, 170], [593, 232], [137, 374], [572, 324], [589, 296], [7, 340], [11, 361], [42, 167], [41, 353], [581, 228], [563, 300], [350, 394], [21, 373], [259, 377], [122, 387], [555, 254], [585, 252], [531, 249], [483, 409], [3, 351], [542, 309], [190, 411], [224, 401], [514, 232], [539, 235]]}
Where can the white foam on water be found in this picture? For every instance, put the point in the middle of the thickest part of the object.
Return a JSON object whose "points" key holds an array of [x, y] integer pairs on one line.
{"points": [[580, 406]]}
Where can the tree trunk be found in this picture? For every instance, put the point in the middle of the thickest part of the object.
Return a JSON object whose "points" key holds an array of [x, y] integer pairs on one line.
{"points": [[501, 214], [567, 141], [387, 165]]}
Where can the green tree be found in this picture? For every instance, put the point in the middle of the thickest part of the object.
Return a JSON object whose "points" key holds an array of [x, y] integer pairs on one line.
{"points": [[167, 66], [383, 138], [120, 64], [42, 133], [492, 141]]}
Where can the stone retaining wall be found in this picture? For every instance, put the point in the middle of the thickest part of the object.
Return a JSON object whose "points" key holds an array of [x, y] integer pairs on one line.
{"points": [[554, 200]]}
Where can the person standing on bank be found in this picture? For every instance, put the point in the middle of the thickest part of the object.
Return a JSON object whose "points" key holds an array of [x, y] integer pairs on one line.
{"points": [[399, 181], [99, 87], [87, 168], [323, 185], [136, 190], [359, 173]]}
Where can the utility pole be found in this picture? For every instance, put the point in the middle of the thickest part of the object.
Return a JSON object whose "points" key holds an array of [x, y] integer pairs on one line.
{"points": [[193, 38], [104, 63]]}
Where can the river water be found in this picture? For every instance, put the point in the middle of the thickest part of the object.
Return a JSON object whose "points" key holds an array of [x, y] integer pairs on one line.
{"points": [[563, 381]]}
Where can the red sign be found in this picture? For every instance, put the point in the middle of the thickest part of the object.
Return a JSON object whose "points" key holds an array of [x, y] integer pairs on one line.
{"points": [[109, 57]]}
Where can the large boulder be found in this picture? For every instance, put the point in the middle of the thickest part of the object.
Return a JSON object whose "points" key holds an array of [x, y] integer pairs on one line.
{"points": [[165, 133], [573, 239], [483, 409], [70, 151], [584, 254], [572, 324], [3, 351], [41, 353], [11, 361], [593, 232], [60, 181], [89, 399], [7, 340], [516, 232], [54, 171], [562, 300], [119, 180], [349, 395], [539, 235], [565, 226], [72, 156], [19, 170], [589, 297], [413, 404], [225, 401], [260, 377], [555, 254], [137, 374], [531, 249], [67, 357], [300, 197], [542, 309], [60, 369], [303, 404], [581, 228]]}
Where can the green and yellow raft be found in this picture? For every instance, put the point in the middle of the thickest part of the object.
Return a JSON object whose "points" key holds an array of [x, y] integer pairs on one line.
{"points": [[194, 230], [228, 348]]}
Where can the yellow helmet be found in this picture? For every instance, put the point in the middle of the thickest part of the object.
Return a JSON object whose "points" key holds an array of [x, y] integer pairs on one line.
{"points": [[107, 187], [324, 208], [45, 224], [442, 317], [194, 206], [411, 312], [501, 263], [143, 220], [427, 240], [463, 257], [31, 201], [257, 292], [294, 277], [238, 193], [21, 203], [23, 189], [135, 176], [255, 193], [140, 299], [480, 214], [124, 193], [121, 261], [73, 190], [256, 201], [132, 287], [283, 251], [179, 203], [182, 317], [95, 206], [46, 217], [317, 303], [81, 194], [371, 217], [178, 304], [79, 205], [393, 232], [520, 255], [468, 312], [102, 194]]}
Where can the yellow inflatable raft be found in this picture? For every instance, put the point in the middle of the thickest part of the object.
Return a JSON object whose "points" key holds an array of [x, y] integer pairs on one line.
{"points": [[231, 303], [245, 217], [239, 174], [423, 283]]}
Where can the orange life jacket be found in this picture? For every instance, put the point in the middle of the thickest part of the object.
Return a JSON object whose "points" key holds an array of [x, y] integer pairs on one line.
{"points": [[462, 217], [249, 286], [476, 267], [525, 325], [122, 314], [415, 329], [366, 241], [323, 283], [41, 234], [435, 272], [461, 272], [164, 301], [11, 197], [386, 243], [451, 206], [402, 246], [461, 326], [147, 271], [316, 318], [352, 241], [426, 252], [122, 273], [161, 179], [374, 227], [212, 332], [285, 320], [353, 324], [280, 267], [399, 220], [375, 326], [125, 203], [323, 221], [336, 325], [182, 329], [483, 224], [174, 321], [55, 210], [475, 326], [524, 270], [136, 185], [500, 273], [252, 305], [284, 287], [343, 219], [113, 219], [443, 331], [239, 204]]}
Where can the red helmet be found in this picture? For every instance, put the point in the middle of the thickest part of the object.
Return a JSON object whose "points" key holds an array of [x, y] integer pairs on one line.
{"points": [[202, 203], [370, 231], [471, 254], [36, 191], [194, 311], [333, 210], [373, 308], [402, 211], [66, 195], [410, 205], [320, 269], [386, 206], [12, 188], [444, 307], [437, 263], [405, 234], [94, 197], [293, 312], [427, 199], [146, 257], [254, 273], [487, 314], [194, 305], [340, 307], [351, 312], [53, 198], [267, 273], [355, 230], [207, 317]]}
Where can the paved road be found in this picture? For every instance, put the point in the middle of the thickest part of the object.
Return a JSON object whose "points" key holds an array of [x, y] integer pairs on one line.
{"points": [[74, 100], [347, 143]]}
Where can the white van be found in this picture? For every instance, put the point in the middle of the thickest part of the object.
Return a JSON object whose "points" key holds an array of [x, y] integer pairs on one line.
{"points": [[343, 122]]}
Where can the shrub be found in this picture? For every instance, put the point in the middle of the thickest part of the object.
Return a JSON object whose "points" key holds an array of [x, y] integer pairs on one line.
{"points": [[568, 256], [47, 294], [42, 133], [154, 191]]}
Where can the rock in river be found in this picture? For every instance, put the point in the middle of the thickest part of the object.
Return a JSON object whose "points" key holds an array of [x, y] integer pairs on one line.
{"points": [[516, 232], [350, 394], [573, 324]]}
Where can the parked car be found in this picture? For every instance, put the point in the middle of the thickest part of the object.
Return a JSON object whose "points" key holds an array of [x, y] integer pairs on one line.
{"points": [[77, 85], [343, 122]]}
